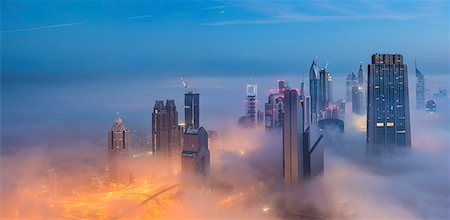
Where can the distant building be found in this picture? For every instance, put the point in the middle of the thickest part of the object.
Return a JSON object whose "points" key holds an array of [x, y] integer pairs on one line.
{"points": [[430, 106], [195, 157], [340, 104], [362, 82], [388, 120], [273, 110], [357, 99], [166, 133], [325, 89], [260, 117], [251, 103], [441, 93], [351, 79], [52, 182], [118, 153], [314, 91], [192, 110]]}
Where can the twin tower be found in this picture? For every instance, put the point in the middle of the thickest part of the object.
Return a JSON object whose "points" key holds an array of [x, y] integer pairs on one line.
{"points": [[174, 141]]}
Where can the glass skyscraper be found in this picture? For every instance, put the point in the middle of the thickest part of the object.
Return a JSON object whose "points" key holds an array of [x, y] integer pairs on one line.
{"points": [[388, 120]]}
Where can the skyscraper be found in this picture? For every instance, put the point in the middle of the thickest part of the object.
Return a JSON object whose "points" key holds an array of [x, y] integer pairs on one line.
{"points": [[388, 122], [166, 133], [325, 89], [118, 150], [361, 75], [292, 139], [192, 110], [160, 129], [302, 151], [351, 79], [362, 83], [357, 99], [250, 103], [340, 104], [195, 157], [273, 110], [314, 90], [420, 89]]}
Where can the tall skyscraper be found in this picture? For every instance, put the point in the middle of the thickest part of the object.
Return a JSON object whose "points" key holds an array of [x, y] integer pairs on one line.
{"points": [[302, 152], [251, 103], [118, 151], [160, 129], [388, 121], [357, 99], [340, 104], [361, 76], [362, 82], [351, 79], [325, 89], [314, 90], [195, 157], [420, 89], [292, 139], [192, 110], [166, 133]]}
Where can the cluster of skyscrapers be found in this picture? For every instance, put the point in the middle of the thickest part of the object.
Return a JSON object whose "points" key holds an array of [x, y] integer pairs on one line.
{"points": [[171, 141], [384, 97]]}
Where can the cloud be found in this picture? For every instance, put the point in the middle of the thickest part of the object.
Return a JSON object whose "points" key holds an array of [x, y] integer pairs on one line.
{"points": [[44, 27], [214, 7], [139, 16], [301, 18]]}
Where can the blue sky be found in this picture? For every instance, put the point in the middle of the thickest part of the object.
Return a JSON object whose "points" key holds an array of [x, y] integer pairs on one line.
{"points": [[223, 38]]}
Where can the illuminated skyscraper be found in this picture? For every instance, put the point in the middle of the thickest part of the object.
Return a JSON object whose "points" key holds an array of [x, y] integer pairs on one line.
{"points": [[388, 121], [314, 90], [351, 79], [251, 103], [192, 110], [166, 133], [118, 151], [195, 157], [420, 89]]}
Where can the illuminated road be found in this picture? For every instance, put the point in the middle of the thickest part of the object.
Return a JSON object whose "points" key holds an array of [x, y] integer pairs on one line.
{"points": [[145, 200]]}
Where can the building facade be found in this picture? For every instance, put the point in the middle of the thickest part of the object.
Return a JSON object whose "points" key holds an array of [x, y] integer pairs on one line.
{"points": [[314, 90], [195, 156], [118, 153], [388, 119], [350, 80], [357, 99], [166, 133], [192, 110], [420, 89], [292, 139]]}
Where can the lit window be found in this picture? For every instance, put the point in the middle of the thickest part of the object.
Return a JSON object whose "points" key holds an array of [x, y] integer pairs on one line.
{"points": [[390, 124], [380, 124]]}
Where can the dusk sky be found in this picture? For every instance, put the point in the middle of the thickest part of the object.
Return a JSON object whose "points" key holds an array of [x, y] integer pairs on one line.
{"points": [[217, 38]]}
